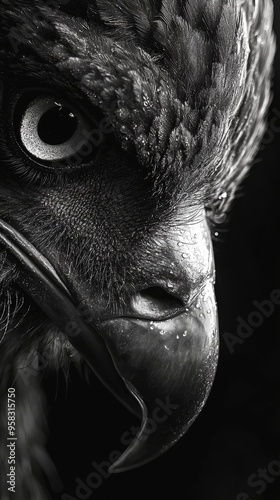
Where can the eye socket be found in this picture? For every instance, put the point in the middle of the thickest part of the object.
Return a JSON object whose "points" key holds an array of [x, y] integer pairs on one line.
{"points": [[54, 133]]}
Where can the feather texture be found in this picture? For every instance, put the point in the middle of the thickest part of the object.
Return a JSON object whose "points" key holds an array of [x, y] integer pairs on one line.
{"points": [[186, 86]]}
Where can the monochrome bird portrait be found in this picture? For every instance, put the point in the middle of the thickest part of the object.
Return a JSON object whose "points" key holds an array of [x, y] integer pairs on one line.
{"points": [[126, 129]]}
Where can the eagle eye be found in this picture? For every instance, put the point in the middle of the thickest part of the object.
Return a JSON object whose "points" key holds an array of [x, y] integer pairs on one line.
{"points": [[51, 131]]}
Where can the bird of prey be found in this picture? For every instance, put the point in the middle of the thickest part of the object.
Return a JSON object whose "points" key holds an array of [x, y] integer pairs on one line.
{"points": [[126, 128]]}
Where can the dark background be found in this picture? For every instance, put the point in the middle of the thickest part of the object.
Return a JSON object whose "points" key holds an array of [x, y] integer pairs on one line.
{"points": [[238, 432]]}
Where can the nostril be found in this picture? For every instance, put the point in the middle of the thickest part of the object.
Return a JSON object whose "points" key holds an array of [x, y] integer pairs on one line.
{"points": [[156, 302], [158, 293]]}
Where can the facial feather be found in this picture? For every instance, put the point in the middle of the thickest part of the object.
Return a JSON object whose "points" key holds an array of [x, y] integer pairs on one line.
{"points": [[181, 114], [191, 113]]}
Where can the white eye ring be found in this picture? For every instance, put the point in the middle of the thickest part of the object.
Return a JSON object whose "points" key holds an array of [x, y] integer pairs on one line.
{"points": [[36, 146]]}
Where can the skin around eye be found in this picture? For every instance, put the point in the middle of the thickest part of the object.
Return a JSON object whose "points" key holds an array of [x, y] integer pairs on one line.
{"points": [[51, 131]]}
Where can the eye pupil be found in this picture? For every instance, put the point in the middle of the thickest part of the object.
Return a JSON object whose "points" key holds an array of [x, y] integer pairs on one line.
{"points": [[57, 125], [53, 132]]}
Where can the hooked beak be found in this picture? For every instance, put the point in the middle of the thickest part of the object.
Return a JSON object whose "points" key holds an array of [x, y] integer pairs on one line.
{"points": [[170, 366], [162, 371]]}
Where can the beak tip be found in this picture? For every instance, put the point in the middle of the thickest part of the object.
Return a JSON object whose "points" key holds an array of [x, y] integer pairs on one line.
{"points": [[112, 469], [136, 455], [121, 465], [115, 469]]}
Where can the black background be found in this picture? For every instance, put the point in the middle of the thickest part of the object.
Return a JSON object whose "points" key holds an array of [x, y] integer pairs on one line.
{"points": [[238, 432]]}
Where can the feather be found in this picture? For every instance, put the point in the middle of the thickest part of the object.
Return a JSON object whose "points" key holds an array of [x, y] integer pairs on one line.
{"points": [[186, 86], [204, 60]]}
